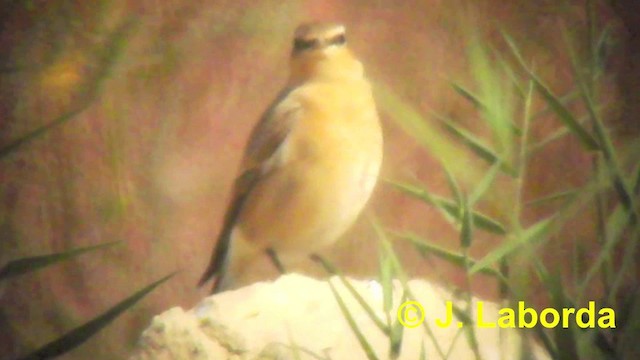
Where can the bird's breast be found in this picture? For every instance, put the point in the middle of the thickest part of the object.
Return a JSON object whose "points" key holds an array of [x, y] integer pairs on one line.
{"points": [[337, 145], [329, 165]]}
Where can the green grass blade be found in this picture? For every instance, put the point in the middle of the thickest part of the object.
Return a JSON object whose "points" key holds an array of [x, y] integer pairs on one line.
{"points": [[567, 118], [481, 220], [561, 132], [565, 99], [469, 329], [395, 340], [477, 103], [29, 264], [565, 340], [473, 99], [293, 346], [635, 180], [42, 130], [476, 145], [534, 234], [298, 350], [116, 42], [386, 280], [423, 351], [424, 247], [496, 92], [614, 227], [620, 185], [508, 69], [602, 49], [555, 103], [484, 184], [410, 120], [454, 187], [449, 208], [356, 295], [79, 335], [553, 197], [466, 228], [368, 350], [404, 279]]}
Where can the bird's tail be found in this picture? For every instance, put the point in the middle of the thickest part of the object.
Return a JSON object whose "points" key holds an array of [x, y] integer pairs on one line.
{"points": [[229, 261], [218, 264], [220, 258]]}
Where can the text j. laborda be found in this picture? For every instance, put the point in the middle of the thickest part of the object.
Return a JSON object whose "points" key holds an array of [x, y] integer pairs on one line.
{"points": [[411, 314]]}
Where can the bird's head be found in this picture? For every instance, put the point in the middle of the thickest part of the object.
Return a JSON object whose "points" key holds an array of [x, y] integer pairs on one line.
{"points": [[320, 51]]}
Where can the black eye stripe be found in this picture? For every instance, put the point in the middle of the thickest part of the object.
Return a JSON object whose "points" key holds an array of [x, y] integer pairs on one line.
{"points": [[338, 40], [302, 44]]}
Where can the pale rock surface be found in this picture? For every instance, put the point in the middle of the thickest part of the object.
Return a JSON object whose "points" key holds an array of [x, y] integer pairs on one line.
{"points": [[297, 317]]}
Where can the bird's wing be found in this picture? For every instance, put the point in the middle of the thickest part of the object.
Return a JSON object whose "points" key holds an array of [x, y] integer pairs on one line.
{"points": [[262, 155]]}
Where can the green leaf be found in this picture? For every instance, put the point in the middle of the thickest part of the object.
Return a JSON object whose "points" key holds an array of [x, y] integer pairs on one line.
{"points": [[477, 103], [298, 350], [508, 69], [404, 279], [423, 351], [425, 247], [453, 186], [293, 346], [79, 335], [497, 96], [449, 208], [620, 185], [614, 228], [330, 268], [561, 132], [553, 197], [565, 340], [484, 184], [565, 115], [534, 234], [368, 350], [414, 124], [473, 99], [543, 336], [108, 55], [468, 328], [395, 339], [386, 280], [466, 228], [555, 103], [29, 264], [635, 180], [602, 47], [565, 99], [474, 144], [42, 130]]}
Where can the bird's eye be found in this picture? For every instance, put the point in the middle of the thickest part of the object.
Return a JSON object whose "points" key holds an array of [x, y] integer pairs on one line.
{"points": [[338, 40], [302, 44]]}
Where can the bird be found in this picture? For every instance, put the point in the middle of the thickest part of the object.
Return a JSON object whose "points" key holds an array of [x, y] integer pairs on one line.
{"points": [[311, 162]]}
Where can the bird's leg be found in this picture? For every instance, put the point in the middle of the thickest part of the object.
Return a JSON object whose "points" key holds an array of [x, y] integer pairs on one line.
{"points": [[316, 258], [324, 263], [275, 260]]}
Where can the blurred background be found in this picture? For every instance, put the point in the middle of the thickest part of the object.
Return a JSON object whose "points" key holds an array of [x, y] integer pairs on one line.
{"points": [[144, 108]]}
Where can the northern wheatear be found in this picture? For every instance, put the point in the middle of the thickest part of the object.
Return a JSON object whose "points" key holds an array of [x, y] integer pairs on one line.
{"points": [[311, 162]]}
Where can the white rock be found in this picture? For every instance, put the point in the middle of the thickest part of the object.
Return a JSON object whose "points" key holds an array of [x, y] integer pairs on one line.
{"points": [[297, 316]]}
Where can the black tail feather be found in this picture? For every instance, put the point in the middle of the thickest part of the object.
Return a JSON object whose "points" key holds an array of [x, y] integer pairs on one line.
{"points": [[219, 259]]}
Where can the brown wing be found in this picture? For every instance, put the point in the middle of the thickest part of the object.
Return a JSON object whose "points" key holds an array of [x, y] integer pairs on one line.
{"points": [[260, 158]]}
